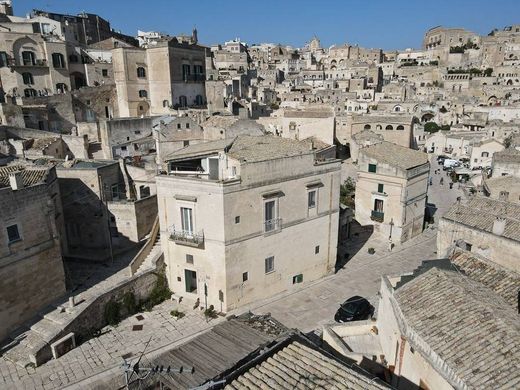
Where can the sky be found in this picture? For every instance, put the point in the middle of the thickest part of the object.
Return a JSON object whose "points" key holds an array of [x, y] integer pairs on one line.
{"points": [[387, 24]]}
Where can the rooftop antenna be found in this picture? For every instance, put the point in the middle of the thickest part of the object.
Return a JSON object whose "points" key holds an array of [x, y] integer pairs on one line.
{"points": [[135, 369]]}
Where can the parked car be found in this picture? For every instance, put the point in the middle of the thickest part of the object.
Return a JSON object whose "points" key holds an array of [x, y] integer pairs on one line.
{"points": [[353, 309], [441, 158]]}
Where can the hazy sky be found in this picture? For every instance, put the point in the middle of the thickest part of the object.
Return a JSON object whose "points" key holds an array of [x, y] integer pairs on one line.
{"points": [[389, 24]]}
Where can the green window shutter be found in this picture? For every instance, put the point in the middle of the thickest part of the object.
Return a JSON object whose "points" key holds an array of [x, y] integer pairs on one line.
{"points": [[372, 168]]}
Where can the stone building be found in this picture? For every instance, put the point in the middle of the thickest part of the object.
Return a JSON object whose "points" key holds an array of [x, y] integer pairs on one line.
{"points": [[228, 209], [391, 190], [420, 344], [31, 268], [151, 81], [484, 226], [505, 188], [506, 162]]}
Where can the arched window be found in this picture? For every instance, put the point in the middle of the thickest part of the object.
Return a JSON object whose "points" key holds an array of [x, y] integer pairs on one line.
{"points": [[73, 58], [198, 100], [389, 127], [400, 127], [29, 92], [484, 154], [165, 103], [28, 58], [183, 102], [379, 127], [397, 108], [141, 72], [27, 78], [143, 93], [61, 87], [58, 61], [367, 127]]}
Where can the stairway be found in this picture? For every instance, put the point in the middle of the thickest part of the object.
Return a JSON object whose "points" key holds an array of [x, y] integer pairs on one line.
{"points": [[150, 260]]}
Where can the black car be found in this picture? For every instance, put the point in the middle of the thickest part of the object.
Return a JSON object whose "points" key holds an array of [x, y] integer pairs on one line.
{"points": [[353, 309], [441, 158]]}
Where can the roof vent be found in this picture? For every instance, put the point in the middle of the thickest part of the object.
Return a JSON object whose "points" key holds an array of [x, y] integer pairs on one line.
{"points": [[499, 226], [16, 180]]}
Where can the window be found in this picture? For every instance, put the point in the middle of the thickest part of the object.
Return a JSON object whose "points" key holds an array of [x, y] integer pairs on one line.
{"points": [[378, 205], [187, 125], [189, 259], [311, 199], [12, 233], [58, 61], [297, 279], [245, 277], [372, 168], [165, 103], [183, 102], [198, 69], [3, 59], [389, 127], [381, 188], [141, 72], [143, 93], [114, 189], [28, 58], [104, 72], [61, 88], [178, 125], [185, 143], [400, 127], [316, 249], [367, 127], [187, 219], [485, 154], [269, 264], [185, 72], [27, 78], [29, 92], [270, 221], [468, 247], [198, 100], [237, 219]]}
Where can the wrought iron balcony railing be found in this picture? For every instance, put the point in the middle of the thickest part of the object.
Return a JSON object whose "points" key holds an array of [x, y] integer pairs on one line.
{"points": [[272, 225], [377, 216], [186, 237]]}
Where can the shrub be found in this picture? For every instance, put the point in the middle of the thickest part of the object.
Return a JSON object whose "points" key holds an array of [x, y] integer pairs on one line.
{"points": [[431, 127], [210, 312], [371, 251], [129, 303], [346, 193], [112, 313], [177, 314]]}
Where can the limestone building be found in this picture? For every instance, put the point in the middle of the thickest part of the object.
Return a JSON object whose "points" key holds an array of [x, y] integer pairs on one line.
{"points": [[31, 268], [391, 190], [169, 74], [228, 210]]}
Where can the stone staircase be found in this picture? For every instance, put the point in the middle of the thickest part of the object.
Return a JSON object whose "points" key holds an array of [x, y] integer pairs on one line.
{"points": [[150, 262]]}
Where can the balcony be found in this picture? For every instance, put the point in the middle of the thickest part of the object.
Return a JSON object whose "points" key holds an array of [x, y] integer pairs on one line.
{"points": [[273, 225], [11, 62], [194, 78], [185, 237], [377, 216]]}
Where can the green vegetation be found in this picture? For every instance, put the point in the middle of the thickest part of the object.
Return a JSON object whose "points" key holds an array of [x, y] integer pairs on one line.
{"points": [[112, 312], [488, 72], [210, 312], [129, 303], [371, 251], [177, 314], [432, 127], [347, 192], [159, 293]]}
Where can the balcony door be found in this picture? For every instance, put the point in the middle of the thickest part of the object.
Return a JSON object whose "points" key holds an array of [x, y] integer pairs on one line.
{"points": [[187, 220], [378, 205]]}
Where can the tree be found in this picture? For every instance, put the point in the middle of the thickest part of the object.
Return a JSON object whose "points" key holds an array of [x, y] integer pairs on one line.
{"points": [[347, 192], [431, 127], [488, 72]]}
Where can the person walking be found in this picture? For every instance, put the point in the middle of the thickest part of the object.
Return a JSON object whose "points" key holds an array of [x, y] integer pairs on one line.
{"points": [[442, 181]]}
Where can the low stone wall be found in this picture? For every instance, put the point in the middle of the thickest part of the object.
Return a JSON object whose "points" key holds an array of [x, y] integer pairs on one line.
{"points": [[92, 316]]}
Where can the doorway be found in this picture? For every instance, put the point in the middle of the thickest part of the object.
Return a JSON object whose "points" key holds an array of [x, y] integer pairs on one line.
{"points": [[190, 278]]}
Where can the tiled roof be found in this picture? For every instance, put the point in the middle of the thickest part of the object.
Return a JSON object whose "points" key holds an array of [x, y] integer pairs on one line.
{"points": [[501, 183], [472, 330], [254, 149], [30, 176], [480, 213], [507, 156], [395, 155], [502, 281], [299, 367]]}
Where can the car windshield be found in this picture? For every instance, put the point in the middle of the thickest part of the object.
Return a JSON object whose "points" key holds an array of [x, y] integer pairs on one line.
{"points": [[349, 308]]}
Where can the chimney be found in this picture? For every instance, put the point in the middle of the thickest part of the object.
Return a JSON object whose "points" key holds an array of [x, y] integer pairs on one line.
{"points": [[16, 180], [499, 225]]}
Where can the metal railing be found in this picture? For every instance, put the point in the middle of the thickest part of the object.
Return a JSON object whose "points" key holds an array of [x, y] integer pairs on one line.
{"points": [[186, 236], [272, 225], [377, 216]]}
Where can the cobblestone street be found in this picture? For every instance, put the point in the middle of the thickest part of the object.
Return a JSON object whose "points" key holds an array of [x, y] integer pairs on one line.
{"points": [[307, 308]]}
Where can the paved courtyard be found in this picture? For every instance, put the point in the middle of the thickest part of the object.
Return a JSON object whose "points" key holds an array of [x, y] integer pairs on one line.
{"points": [[307, 308]]}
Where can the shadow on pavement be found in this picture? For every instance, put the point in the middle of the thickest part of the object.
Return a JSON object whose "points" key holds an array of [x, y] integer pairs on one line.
{"points": [[358, 237]]}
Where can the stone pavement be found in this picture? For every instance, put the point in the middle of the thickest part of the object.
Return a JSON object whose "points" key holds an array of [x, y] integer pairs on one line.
{"points": [[307, 308], [105, 352]]}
